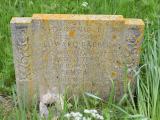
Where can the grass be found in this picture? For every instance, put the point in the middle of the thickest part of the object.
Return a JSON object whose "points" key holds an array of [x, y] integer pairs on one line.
{"points": [[145, 106]]}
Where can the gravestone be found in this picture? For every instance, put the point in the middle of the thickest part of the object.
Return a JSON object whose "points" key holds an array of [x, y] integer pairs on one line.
{"points": [[75, 53]]}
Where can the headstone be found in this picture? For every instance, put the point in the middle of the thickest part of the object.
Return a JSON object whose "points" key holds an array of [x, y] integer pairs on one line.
{"points": [[58, 53]]}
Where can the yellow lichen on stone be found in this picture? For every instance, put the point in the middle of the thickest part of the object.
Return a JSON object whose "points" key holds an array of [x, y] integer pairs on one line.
{"points": [[72, 33]]}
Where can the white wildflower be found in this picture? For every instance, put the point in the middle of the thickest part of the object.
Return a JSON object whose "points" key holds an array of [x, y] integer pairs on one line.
{"points": [[78, 116], [74, 115], [84, 4], [67, 115], [94, 114], [145, 118], [88, 118], [90, 111]]}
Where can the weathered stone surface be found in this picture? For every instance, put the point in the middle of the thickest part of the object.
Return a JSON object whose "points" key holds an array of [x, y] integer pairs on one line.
{"points": [[75, 53]]}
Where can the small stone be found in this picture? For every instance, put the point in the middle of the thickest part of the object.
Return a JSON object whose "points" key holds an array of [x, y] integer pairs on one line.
{"points": [[43, 110]]}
